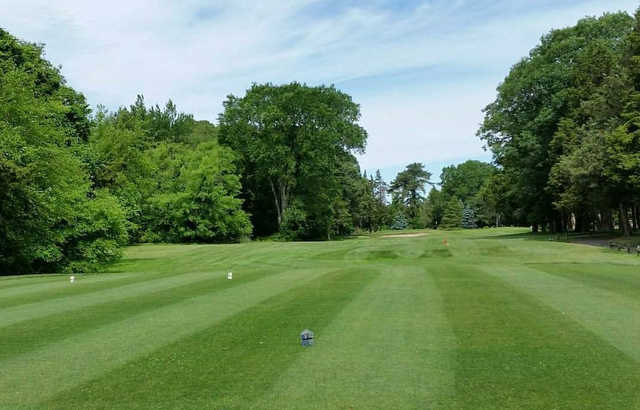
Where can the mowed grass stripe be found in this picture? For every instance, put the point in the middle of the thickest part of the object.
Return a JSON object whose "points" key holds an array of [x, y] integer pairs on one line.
{"points": [[230, 363], [146, 261], [609, 315], [56, 287], [93, 283], [29, 378], [85, 298], [7, 282], [514, 351], [35, 333], [622, 279], [390, 348]]}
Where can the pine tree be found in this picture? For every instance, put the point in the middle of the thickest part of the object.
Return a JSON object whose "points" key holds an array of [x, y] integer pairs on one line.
{"points": [[399, 222], [468, 218], [452, 214]]}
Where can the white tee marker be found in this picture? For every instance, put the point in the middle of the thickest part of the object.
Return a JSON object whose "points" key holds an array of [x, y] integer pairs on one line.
{"points": [[230, 275], [72, 279]]}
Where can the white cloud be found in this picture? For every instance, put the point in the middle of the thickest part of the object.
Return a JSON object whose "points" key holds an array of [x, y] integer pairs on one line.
{"points": [[197, 52], [416, 129]]}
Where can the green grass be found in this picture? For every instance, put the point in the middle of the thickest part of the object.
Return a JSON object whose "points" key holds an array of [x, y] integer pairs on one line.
{"points": [[494, 319]]}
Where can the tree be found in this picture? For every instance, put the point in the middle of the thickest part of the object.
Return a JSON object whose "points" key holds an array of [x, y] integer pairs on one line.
{"points": [[452, 217], [408, 186], [399, 222], [623, 161], [572, 77], [198, 200], [380, 189], [380, 211], [50, 217], [495, 203], [176, 183], [291, 140], [425, 216], [468, 218], [465, 180], [437, 203]]}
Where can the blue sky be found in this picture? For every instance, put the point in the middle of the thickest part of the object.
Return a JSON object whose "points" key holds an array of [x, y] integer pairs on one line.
{"points": [[421, 70]]}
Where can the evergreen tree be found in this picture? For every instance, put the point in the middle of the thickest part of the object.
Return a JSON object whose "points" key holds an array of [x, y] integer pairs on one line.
{"points": [[380, 188], [468, 218], [399, 222], [452, 217], [408, 186]]}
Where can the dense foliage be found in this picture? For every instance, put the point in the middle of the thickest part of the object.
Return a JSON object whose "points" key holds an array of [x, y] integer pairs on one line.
{"points": [[74, 188], [169, 173], [295, 146], [51, 217], [564, 129], [453, 213], [407, 189]]}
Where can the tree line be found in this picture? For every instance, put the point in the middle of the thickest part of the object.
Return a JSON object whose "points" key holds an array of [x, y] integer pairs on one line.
{"points": [[464, 198], [76, 185], [564, 129]]}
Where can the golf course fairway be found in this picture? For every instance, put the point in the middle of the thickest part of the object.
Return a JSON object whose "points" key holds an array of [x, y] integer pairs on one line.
{"points": [[488, 318]]}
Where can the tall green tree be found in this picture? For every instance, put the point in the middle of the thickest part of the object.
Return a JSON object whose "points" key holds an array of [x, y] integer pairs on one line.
{"points": [[408, 186], [381, 215], [623, 163], [452, 217], [465, 180], [293, 141], [436, 203], [50, 217], [565, 79]]}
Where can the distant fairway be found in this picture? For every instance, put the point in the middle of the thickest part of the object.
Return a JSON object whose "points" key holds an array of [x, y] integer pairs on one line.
{"points": [[495, 319]]}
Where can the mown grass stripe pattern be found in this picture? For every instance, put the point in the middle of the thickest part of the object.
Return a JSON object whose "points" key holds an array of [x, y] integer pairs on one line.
{"points": [[231, 362], [493, 319]]}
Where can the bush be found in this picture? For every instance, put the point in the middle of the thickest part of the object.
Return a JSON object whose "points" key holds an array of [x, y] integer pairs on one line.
{"points": [[95, 237], [294, 223]]}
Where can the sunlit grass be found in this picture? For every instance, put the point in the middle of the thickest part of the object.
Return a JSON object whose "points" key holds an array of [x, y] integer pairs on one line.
{"points": [[490, 318]]}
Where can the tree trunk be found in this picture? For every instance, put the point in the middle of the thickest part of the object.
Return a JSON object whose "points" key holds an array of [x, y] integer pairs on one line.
{"points": [[280, 198], [624, 220], [275, 197], [607, 220], [579, 226]]}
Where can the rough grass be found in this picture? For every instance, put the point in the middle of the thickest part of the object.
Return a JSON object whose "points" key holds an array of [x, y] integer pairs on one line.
{"points": [[491, 319]]}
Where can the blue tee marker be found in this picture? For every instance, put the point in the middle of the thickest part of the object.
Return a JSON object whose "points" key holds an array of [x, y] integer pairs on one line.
{"points": [[306, 338]]}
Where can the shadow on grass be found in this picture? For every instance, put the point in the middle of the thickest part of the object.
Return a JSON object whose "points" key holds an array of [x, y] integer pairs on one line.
{"points": [[530, 236], [587, 238]]}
